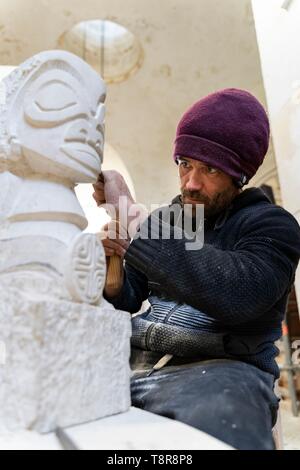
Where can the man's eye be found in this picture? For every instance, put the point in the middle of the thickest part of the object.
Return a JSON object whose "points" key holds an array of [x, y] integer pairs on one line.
{"points": [[212, 170], [183, 164]]}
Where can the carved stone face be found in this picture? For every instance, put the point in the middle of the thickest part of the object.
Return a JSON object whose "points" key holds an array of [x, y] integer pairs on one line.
{"points": [[57, 118]]}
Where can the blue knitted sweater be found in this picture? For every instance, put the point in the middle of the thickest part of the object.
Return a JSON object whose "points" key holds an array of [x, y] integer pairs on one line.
{"points": [[236, 284]]}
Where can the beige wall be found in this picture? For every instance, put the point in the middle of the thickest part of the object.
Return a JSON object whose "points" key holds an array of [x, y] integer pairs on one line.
{"points": [[191, 47]]}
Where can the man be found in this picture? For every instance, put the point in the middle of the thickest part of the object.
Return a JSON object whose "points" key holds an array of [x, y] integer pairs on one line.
{"points": [[204, 352]]}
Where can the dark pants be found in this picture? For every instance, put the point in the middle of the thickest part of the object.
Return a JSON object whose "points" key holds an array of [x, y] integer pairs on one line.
{"points": [[230, 400]]}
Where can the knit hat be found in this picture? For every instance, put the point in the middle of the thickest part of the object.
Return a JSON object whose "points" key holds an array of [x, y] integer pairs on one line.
{"points": [[228, 130]]}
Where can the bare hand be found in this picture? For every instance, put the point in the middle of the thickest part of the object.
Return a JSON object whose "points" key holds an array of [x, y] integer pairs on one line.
{"points": [[110, 187], [109, 191], [115, 242], [114, 239]]}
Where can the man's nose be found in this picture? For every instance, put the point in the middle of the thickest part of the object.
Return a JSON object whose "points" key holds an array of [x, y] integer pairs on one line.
{"points": [[195, 181]]}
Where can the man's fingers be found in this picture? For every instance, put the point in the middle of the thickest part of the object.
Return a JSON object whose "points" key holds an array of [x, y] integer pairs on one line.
{"points": [[99, 199], [109, 247], [118, 250], [109, 175], [115, 244], [117, 247], [100, 184], [99, 194], [101, 178], [105, 228], [109, 252], [115, 231]]}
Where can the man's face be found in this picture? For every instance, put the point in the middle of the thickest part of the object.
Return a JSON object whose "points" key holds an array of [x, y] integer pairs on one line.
{"points": [[203, 184]]}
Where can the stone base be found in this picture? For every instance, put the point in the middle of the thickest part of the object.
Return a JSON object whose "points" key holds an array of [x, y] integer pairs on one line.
{"points": [[134, 430], [66, 363]]}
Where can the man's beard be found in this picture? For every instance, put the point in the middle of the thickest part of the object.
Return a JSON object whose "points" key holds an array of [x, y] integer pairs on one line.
{"points": [[214, 205]]}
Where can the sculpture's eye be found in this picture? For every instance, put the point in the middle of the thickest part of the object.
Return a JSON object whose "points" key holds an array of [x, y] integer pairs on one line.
{"points": [[55, 97], [52, 101]]}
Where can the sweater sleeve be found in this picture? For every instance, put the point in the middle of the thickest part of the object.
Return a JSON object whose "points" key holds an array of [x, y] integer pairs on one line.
{"points": [[233, 286], [133, 293]]}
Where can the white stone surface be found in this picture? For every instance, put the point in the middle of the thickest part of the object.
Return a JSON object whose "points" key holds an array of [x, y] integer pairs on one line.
{"points": [[66, 363], [133, 430], [86, 269], [67, 350], [279, 44]]}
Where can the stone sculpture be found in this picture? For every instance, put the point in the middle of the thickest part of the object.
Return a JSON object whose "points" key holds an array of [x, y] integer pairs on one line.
{"points": [[67, 349]]}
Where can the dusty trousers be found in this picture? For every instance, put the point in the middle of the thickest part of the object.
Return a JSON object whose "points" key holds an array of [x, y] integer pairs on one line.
{"points": [[230, 400]]}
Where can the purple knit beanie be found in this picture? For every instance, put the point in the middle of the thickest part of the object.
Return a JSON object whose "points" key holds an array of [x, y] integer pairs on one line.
{"points": [[228, 130]]}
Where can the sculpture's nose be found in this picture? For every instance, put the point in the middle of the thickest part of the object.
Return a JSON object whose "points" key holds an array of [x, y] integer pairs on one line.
{"points": [[87, 132]]}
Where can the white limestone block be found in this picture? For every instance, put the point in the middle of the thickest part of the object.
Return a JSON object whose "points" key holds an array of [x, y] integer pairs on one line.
{"points": [[134, 430], [140, 430], [66, 363]]}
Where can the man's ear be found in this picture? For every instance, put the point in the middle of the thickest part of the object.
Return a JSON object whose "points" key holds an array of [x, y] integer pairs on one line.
{"points": [[237, 184]]}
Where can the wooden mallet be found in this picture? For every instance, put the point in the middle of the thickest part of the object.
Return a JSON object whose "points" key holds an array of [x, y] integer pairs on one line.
{"points": [[114, 265]]}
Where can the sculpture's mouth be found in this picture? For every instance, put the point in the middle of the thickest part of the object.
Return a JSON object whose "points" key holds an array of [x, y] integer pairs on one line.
{"points": [[85, 154]]}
